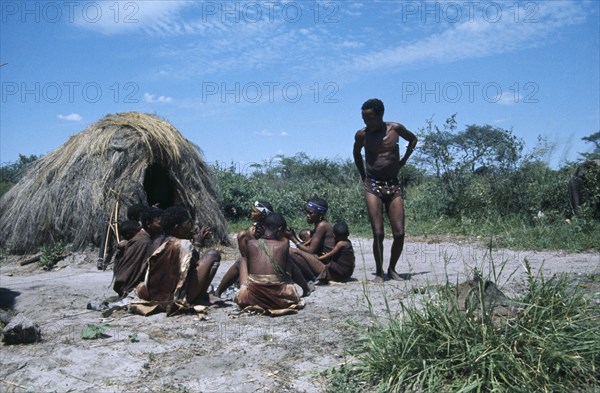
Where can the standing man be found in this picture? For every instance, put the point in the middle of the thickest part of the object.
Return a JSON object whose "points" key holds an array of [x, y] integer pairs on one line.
{"points": [[380, 178]]}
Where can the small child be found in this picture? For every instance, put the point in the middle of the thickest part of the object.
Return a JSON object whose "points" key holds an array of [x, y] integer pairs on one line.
{"points": [[341, 258], [128, 229], [304, 235]]}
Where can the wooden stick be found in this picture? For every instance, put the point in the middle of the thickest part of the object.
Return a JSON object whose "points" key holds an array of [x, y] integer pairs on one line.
{"points": [[31, 260], [37, 257]]}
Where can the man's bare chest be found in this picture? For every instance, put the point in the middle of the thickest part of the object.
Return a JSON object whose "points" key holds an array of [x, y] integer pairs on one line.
{"points": [[381, 143]]}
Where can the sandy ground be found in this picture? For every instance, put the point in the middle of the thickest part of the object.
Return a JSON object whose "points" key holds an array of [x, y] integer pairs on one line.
{"points": [[225, 352]]}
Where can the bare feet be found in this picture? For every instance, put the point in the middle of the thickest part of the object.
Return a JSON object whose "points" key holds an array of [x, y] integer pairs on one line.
{"points": [[393, 275], [209, 300], [378, 278], [310, 287]]}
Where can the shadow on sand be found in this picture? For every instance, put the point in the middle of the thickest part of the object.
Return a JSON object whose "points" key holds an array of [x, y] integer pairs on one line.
{"points": [[404, 276], [8, 298]]}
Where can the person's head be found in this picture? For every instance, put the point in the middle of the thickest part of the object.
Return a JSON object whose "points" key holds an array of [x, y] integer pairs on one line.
{"points": [[315, 210], [176, 221], [128, 229], [135, 212], [304, 235], [151, 220], [275, 225], [372, 112], [341, 231], [260, 211]]}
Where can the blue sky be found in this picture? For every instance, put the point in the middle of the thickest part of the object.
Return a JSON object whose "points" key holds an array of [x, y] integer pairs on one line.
{"points": [[247, 81]]}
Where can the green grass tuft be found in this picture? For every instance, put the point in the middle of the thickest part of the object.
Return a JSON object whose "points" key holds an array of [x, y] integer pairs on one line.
{"points": [[551, 345]]}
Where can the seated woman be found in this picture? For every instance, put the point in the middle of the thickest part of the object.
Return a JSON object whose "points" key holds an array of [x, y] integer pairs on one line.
{"points": [[259, 213], [322, 241], [341, 258]]}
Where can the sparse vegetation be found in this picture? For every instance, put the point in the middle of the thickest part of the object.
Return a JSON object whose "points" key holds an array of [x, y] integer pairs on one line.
{"points": [[93, 332], [51, 254], [477, 182]]}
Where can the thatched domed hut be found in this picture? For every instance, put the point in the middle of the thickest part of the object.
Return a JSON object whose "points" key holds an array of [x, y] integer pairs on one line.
{"points": [[69, 194]]}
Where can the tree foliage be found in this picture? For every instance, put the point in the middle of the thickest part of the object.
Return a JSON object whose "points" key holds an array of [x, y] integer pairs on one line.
{"points": [[446, 151], [595, 140], [469, 167], [288, 182], [11, 173]]}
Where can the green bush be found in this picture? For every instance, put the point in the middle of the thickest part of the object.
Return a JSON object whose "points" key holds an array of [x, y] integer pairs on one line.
{"points": [[51, 254], [524, 206]]}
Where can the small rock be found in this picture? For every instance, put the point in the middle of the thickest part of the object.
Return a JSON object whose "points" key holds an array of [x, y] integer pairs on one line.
{"points": [[97, 305], [20, 330], [5, 317]]}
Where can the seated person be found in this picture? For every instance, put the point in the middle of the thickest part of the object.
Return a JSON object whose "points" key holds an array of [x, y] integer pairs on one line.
{"points": [[258, 215], [107, 243], [128, 229], [341, 258], [177, 273], [130, 263], [136, 212], [321, 242], [265, 268]]}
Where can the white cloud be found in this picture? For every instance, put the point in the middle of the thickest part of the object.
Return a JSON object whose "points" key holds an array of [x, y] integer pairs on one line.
{"points": [[118, 17], [352, 44], [152, 99], [267, 133], [477, 37], [508, 98], [71, 117]]}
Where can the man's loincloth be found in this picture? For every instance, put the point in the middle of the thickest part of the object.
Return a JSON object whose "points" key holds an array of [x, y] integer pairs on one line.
{"points": [[386, 190], [270, 294]]}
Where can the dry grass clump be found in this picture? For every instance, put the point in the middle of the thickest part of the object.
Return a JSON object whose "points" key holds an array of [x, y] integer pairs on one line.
{"points": [[68, 194]]}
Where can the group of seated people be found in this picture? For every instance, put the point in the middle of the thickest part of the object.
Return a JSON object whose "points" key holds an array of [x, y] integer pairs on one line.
{"points": [[162, 258]]}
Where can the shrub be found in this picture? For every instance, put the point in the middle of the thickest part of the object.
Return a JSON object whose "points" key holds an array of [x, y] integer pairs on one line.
{"points": [[51, 254]]}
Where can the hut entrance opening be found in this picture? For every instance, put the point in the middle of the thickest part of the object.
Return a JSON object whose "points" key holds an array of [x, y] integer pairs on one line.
{"points": [[158, 187]]}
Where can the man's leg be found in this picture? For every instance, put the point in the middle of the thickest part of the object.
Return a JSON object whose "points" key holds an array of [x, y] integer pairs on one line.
{"points": [[395, 211], [230, 277], [205, 271], [374, 206]]}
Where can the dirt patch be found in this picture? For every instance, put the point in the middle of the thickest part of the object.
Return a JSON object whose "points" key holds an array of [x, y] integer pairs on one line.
{"points": [[228, 352]]}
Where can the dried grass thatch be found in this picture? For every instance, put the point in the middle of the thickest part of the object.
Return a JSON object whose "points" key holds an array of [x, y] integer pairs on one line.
{"points": [[67, 195]]}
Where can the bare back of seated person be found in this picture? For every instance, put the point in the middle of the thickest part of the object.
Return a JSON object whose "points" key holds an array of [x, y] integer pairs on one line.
{"points": [[267, 256]]}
